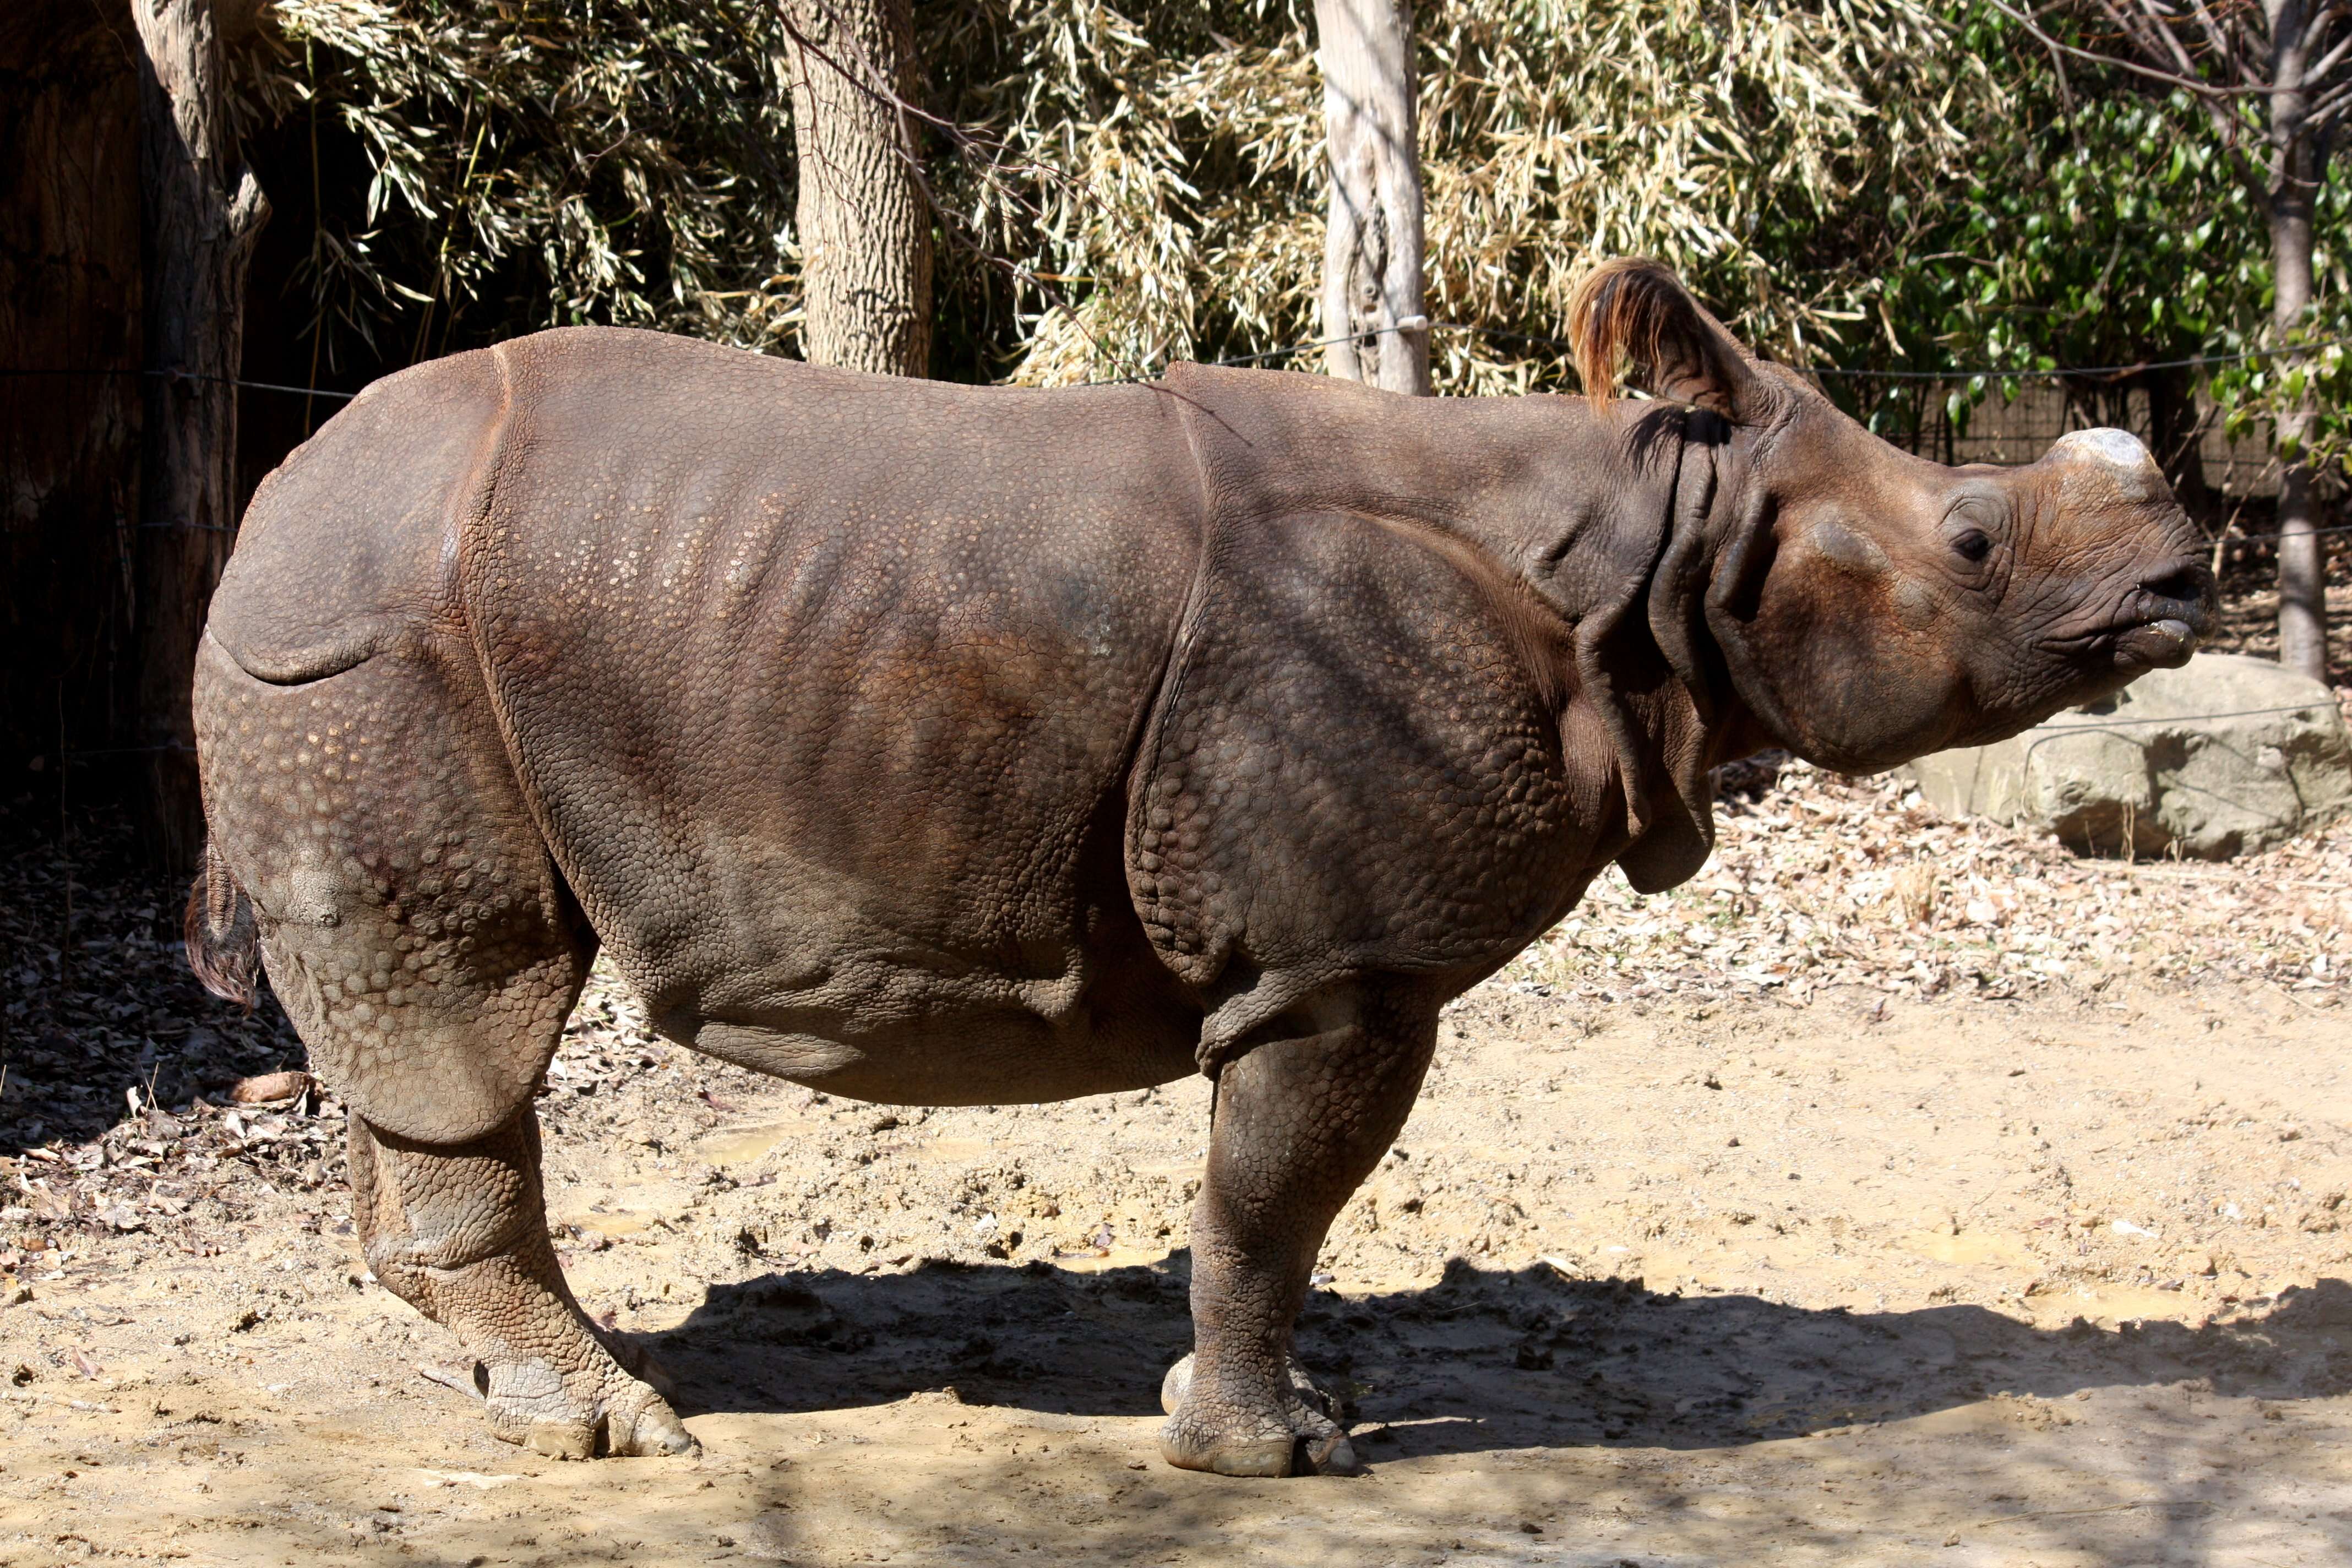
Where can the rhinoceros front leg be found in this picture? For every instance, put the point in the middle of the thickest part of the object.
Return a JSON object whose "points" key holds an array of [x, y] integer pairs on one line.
{"points": [[459, 1231], [1299, 1123]]}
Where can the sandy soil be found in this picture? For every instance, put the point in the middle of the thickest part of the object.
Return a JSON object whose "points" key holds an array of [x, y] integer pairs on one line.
{"points": [[2057, 1281]]}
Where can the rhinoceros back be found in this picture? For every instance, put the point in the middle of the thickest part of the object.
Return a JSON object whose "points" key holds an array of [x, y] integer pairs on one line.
{"points": [[350, 547]]}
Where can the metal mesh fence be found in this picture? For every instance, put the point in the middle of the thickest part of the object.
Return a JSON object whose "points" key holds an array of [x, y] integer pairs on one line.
{"points": [[1942, 419]]}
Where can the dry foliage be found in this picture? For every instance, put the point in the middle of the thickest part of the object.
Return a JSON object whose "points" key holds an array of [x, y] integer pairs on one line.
{"points": [[1167, 181], [622, 161], [1117, 188]]}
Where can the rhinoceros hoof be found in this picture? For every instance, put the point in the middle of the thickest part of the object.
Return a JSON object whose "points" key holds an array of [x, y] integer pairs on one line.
{"points": [[616, 1416], [1299, 1438]]}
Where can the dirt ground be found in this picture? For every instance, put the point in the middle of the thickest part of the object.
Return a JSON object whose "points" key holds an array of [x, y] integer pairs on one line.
{"points": [[2055, 1280], [1897, 1191]]}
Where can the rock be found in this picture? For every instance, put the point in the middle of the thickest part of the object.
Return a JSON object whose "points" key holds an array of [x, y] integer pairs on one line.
{"points": [[946, 1395], [2225, 755]]}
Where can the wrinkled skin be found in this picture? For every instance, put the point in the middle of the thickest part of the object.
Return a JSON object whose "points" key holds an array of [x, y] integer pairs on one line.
{"points": [[944, 746]]}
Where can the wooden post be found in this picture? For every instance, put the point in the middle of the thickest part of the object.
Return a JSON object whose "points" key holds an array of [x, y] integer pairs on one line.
{"points": [[1372, 246], [864, 226], [201, 211]]}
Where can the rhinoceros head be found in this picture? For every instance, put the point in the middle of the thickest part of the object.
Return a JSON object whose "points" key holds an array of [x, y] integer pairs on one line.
{"points": [[1872, 606]]}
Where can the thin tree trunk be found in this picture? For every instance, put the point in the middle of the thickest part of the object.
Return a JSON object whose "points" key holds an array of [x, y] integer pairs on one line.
{"points": [[2301, 571], [865, 227], [2177, 432], [201, 211], [1372, 277], [2294, 189]]}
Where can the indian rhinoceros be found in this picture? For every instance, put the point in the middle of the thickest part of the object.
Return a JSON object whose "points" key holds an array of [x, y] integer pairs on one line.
{"points": [[943, 744]]}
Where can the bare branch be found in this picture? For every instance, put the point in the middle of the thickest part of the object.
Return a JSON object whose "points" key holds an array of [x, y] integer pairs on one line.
{"points": [[2320, 117], [2224, 42], [2330, 60], [2189, 84], [2065, 90], [2150, 28]]}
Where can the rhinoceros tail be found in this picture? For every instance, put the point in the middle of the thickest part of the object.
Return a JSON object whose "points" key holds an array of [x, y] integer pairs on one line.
{"points": [[223, 944]]}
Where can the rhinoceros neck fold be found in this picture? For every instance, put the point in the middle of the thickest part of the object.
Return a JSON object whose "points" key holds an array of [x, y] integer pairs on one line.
{"points": [[1651, 665]]}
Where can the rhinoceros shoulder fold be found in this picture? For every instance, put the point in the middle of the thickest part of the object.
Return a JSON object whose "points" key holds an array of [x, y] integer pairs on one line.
{"points": [[1359, 760]]}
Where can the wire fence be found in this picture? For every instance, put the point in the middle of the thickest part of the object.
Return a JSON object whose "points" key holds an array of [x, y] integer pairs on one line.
{"points": [[1423, 323], [1993, 442], [176, 375], [1950, 414]]}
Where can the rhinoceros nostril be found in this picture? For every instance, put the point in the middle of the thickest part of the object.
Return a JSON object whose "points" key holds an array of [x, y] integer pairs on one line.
{"points": [[2184, 585]]}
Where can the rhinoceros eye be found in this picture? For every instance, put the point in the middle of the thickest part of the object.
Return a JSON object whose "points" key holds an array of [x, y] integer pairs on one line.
{"points": [[1974, 543]]}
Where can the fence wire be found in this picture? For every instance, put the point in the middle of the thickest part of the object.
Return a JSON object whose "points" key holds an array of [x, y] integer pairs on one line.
{"points": [[1939, 413], [1420, 324]]}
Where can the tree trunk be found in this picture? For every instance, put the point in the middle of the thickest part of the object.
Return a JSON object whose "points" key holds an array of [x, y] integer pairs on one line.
{"points": [[2177, 432], [2295, 171], [69, 298], [866, 226], [1372, 249], [2302, 569], [201, 210]]}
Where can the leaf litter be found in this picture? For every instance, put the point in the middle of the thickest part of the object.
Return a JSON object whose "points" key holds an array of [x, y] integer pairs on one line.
{"points": [[135, 1107], [1819, 881]]}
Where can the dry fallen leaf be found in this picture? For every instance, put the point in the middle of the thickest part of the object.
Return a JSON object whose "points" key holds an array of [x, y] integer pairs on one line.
{"points": [[269, 1088]]}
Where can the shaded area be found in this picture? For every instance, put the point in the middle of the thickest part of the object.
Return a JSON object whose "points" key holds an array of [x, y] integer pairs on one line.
{"points": [[95, 994], [1482, 1360]]}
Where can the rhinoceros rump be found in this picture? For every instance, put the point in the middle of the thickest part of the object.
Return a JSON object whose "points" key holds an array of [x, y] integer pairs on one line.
{"points": [[940, 745]]}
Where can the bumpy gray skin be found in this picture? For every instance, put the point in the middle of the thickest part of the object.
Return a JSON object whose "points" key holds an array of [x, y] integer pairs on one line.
{"points": [[942, 746]]}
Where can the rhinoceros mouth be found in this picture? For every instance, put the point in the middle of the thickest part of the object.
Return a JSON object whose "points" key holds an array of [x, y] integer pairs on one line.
{"points": [[2165, 642], [2135, 644]]}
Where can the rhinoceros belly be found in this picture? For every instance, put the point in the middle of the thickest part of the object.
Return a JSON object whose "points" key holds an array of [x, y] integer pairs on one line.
{"points": [[855, 1014], [825, 689], [872, 981]]}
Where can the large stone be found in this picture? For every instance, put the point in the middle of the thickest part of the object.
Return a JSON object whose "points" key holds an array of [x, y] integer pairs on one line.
{"points": [[2223, 755]]}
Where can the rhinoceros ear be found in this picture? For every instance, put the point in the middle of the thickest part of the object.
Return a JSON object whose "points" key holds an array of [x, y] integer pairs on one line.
{"points": [[1632, 314]]}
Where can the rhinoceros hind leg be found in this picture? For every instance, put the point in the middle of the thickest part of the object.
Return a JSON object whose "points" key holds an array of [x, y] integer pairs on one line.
{"points": [[459, 1231], [1299, 1123], [409, 911]]}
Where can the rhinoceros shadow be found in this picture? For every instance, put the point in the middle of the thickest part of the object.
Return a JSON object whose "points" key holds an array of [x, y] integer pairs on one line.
{"points": [[1482, 1360]]}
